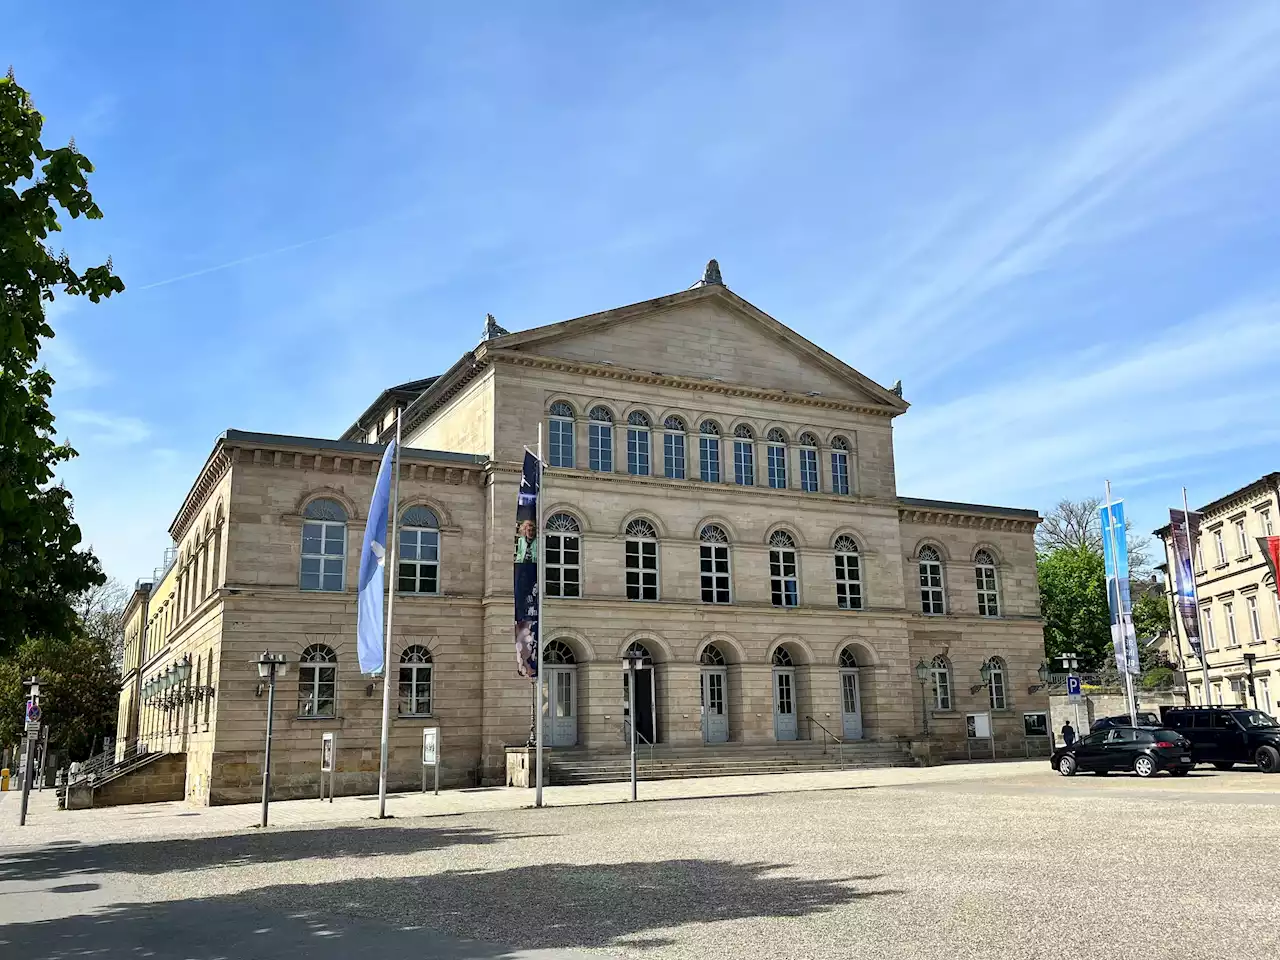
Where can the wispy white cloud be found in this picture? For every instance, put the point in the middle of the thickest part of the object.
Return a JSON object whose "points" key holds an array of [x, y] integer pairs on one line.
{"points": [[105, 429]]}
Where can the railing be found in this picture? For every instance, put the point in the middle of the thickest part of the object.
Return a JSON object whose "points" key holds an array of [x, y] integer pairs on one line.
{"points": [[834, 739], [105, 764], [626, 723]]}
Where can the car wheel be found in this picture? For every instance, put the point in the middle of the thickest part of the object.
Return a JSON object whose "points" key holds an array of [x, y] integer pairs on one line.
{"points": [[1268, 759], [1145, 767], [1067, 766], [1224, 766]]}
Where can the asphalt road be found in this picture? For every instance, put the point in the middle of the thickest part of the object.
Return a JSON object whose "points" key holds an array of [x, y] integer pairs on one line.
{"points": [[1034, 866]]}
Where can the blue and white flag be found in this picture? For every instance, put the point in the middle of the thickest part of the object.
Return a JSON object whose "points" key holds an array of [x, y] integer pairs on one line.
{"points": [[373, 561], [1115, 555]]}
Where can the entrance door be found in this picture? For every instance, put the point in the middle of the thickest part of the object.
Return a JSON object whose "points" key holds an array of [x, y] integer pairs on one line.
{"points": [[851, 704], [645, 732], [715, 716], [784, 703], [559, 706]]}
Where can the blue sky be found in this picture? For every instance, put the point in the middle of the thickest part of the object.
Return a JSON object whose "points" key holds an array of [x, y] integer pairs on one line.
{"points": [[1056, 223]]}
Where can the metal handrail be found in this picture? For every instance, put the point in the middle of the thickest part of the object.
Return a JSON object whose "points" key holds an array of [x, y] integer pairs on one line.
{"points": [[626, 722], [105, 764], [837, 740]]}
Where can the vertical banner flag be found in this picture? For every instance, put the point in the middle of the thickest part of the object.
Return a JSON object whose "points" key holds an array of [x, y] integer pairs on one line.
{"points": [[1185, 528], [526, 567], [1270, 547], [1115, 554], [373, 561]]}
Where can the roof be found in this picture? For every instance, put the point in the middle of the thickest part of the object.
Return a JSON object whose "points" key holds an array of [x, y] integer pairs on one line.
{"points": [[1269, 480], [957, 507], [402, 391], [348, 446]]}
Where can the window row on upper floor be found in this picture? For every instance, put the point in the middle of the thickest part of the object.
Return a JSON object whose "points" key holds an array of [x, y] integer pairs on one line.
{"points": [[1242, 536], [777, 460], [994, 674]]}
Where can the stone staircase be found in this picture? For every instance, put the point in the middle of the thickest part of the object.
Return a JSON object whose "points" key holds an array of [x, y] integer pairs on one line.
{"points": [[663, 762]]}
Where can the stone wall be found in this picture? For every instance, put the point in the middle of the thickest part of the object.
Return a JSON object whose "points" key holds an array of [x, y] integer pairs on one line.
{"points": [[157, 781]]}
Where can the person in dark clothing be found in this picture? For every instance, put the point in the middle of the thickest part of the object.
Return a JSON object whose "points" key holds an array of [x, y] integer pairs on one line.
{"points": [[1068, 733]]}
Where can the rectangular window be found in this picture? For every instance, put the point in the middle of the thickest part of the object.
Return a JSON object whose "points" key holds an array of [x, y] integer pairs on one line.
{"points": [[1210, 641], [808, 470], [714, 558], [998, 701], [1243, 538], [637, 452], [839, 472], [1199, 556], [642, 570], [673, 455], [744, 462], [777, 466], [415, 690], [931, 596], [1266, 524], [419, 561], [988, 596], [1255, 622], [941, 689], [561, 443], [562, 565], [1229, 615], [1220, 545], [323, 549], [709, 459], [601, 443], [1263, 691], [783, 583], [848, 582]]}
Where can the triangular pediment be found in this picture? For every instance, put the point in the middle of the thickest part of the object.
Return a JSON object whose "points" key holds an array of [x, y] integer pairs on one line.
{"points": [[707, 333]]}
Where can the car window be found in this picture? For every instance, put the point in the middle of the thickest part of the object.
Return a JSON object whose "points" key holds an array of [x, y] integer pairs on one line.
{"points": [[1144, 736], [1148, 719], [1171, 735], [1176, 721], [1223, 721], [1094, 739], [1122, 735], [1254, 718]]}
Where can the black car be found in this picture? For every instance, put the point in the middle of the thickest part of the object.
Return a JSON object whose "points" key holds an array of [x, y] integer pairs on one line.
{"points": [[1144, 720], [1144, 750], [1225, 736]]}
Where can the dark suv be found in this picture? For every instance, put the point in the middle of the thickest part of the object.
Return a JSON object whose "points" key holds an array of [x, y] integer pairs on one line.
{"points": [[1144, 720], [1225, 736]]}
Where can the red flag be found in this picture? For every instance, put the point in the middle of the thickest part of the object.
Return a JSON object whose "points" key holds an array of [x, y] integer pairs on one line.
{"points": [[1271, 550]]}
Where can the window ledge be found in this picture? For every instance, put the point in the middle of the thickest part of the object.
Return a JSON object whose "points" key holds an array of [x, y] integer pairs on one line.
{"points": [[415, 716], [314, 719], [1223, 565], [1257, 643], [1244, 558]]}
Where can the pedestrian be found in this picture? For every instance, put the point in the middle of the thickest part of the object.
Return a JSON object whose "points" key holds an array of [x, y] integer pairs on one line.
{"points": [[1068, 733]]}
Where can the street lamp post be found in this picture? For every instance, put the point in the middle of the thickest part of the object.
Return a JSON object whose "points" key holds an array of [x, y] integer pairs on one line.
{"points": [[32, 718], [1250, 659], [270, 666], [922, 675], [633, 662]]}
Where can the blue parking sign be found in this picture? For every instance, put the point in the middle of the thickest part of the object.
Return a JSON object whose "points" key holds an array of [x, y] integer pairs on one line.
{"points": [[1073, 688]]}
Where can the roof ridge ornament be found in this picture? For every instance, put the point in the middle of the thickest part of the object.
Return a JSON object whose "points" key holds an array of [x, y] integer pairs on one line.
{"points": [[896, 389], [712, 273], [492, 329]]}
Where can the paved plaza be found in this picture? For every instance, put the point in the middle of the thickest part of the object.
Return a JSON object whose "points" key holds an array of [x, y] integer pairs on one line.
{"points": [[968, 861]]}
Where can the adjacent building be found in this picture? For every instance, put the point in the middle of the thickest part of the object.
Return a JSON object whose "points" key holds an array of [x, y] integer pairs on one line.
{"points": [[1239, 607], [720, 498]]}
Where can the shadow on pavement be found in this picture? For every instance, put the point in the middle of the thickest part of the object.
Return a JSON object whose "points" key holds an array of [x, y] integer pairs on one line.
{"points": [[484, 915], [194, 853]]}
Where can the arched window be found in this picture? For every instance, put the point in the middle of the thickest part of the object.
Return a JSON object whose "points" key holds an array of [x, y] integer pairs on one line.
{"points": [[560, 435], [984, 568], [317, 682], [809, 480], [558, 653], [673, 457], [638, 649], [415, 682], [711, 656], [744, 456], [932, 598], [563, 565], [638, 446], [848, 574], [996, 687], [642, 561], [940, 669], [784, 584], [777, 459], [709, 451], [839, 465], [600, 437], [419, 559], [713, 553], [782, 658], [848, 659], [324, 545]]}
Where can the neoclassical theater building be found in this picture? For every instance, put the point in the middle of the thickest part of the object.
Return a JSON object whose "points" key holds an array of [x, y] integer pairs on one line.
{"points": [[720, 496]]}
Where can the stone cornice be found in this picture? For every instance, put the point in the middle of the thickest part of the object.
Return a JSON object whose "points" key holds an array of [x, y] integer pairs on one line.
{"points": [[972, 520], [677, 381], [215, 468]]}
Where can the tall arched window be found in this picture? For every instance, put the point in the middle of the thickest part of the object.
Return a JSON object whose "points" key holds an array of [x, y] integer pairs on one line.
{"points": [[940, 669], [638, 446], [673, 440], [744, 456], [318, 682], [713, 552], [563, 564], [784, 585], [419, 551], [996, 687], [709, 451], [809, 481], [642, 561], [984, 569], [777, 459], [415, 682], [600, 437], [560, 435], [839, 465], [324, 545], [848, 574], [932, 596]]}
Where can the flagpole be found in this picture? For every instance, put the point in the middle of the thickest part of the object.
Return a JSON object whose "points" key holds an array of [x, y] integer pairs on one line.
{"points": [[541, 632], [1195, 597], [1124, 640], [393, 579]]}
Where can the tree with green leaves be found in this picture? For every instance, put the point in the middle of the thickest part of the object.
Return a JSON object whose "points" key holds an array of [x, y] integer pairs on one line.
{"points": [[43, 569], [1073, 602]]}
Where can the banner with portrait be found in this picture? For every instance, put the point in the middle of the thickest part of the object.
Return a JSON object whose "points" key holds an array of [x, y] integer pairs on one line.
{"points": [[1185, 529], [526, 567]]}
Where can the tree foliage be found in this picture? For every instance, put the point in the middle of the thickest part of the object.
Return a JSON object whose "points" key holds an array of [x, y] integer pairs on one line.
{"points": [[1076, 525], [1150, 613], [101, 612], [42, 568], [1073, 601]]}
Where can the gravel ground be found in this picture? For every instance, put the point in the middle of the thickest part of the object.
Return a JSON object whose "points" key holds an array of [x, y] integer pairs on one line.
{"points": [[1029, 867]]}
